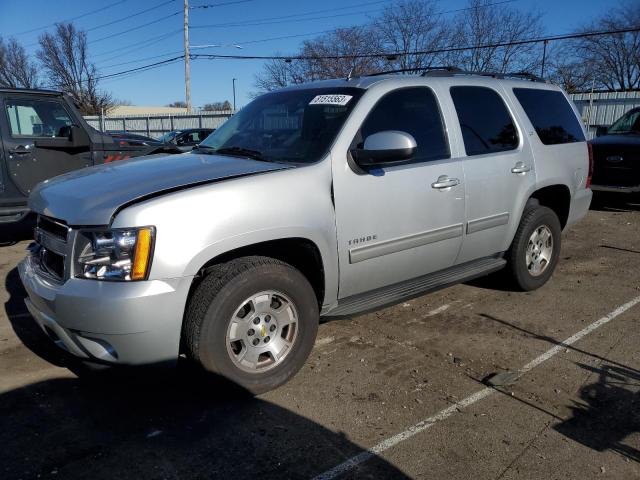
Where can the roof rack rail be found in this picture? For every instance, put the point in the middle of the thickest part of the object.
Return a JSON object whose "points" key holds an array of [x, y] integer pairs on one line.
{"points": [[457, 71], [449, 71], [422, 70]]}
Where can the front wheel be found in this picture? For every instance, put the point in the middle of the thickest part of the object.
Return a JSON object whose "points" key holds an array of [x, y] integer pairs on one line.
{"points": [[535, 250], [252, 321]]}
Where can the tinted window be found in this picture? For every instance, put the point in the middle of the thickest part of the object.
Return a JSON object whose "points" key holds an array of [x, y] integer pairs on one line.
{"points": [[29, 118], [551, 115], [486, 124], [414, 111]]}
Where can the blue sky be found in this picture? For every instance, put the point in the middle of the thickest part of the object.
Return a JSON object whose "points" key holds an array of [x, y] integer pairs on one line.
{"points": [[211, 80]]}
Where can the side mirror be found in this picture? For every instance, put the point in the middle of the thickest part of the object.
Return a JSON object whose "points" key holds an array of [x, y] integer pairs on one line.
{"points": [[601, 130], [385, 148], [79, 137]]}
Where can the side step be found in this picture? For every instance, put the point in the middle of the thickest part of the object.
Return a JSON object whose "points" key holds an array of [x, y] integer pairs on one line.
{"points": [[412, 288]]}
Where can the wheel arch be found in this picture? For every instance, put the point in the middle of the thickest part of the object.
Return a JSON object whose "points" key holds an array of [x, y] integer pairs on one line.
{"points": [[557, 197], [300, 252]]}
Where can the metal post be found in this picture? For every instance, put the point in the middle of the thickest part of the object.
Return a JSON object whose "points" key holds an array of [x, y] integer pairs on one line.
{"points": [[234, 95], [148, 129], [187, 71], [200, 121], [171, 122], [102, 120], [544, 57], [124, 124]]}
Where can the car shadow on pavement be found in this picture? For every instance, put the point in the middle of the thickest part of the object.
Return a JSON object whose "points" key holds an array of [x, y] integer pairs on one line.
{"points": [[610, 408], [12, 233], [163, 425], [608, 413], [156, 422]]}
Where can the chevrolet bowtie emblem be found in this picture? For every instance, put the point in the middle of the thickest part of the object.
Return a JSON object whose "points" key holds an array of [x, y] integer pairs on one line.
{"points": [[263, 331]]}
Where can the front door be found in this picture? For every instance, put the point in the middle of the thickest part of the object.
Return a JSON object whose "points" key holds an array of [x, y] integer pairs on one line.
{"points": [[398, 222], [27, 120]]}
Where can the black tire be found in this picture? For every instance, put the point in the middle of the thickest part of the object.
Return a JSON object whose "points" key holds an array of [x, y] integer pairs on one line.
{"points": [[533, 218], [215, 302]]}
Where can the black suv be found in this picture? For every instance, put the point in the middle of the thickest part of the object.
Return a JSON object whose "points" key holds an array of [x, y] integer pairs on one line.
{"points": [[42, 135], [616, 155]]}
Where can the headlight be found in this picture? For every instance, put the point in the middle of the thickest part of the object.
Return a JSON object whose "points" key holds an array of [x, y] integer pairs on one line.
{"points": [[119, 254]]}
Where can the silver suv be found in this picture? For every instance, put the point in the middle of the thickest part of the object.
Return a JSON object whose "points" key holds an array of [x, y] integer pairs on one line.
{"points": [[325, 199]]}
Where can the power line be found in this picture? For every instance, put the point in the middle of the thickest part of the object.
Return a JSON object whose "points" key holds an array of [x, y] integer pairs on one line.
{"points": [[140, 44], [280, 19], [249, 42], [418, 52], [213, 5], [72, 18], [123, 32], [122, 19]]}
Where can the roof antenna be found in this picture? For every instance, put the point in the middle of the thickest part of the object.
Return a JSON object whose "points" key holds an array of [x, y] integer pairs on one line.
{"points": [[350, 72]]}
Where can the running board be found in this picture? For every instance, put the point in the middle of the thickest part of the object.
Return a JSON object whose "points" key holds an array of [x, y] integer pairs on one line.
{"points": [[412, 288]]}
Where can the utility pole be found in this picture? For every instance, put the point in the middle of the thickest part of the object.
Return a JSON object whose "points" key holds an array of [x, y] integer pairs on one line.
{"points": [[187, 70], [234, 95]]}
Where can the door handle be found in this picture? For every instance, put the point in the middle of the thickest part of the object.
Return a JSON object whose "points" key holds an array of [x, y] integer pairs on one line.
{"points": [[444, 182], [20, 150], [521, 168]]}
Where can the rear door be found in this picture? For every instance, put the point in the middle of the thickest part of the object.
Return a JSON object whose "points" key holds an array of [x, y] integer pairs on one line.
{"points": [[27, 120], [498, 169]]}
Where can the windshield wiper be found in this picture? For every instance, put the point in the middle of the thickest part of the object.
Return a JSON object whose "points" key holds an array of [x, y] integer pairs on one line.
{"points": [[241, 152]]}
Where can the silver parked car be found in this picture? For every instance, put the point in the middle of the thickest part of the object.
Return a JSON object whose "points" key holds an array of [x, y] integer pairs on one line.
{"points": [[325, 199]]}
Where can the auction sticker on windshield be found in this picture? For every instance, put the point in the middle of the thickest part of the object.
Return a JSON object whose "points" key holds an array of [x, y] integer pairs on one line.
{"points": [[341, 100]]}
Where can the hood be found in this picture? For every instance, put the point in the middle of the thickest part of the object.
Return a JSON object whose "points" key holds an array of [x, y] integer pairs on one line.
{"points": [[92, 196]]}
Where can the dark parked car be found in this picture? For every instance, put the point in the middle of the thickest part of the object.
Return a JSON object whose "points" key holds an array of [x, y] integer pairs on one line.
{"points": [[42, 135], [616, 153], [188, 138], [129, 138]]}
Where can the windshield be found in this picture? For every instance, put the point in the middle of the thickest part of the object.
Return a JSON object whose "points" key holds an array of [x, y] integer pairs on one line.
{"points": [[167, 137], [296, 126], [629, 122]]}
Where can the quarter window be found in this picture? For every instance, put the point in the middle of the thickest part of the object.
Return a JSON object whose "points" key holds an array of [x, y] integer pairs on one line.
{"points": [[414, 111], [484, 119], [551, 115], [29, 118]]}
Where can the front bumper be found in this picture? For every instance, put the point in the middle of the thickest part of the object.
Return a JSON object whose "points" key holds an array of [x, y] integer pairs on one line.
{"points": [[128, 323], [613, 188]]}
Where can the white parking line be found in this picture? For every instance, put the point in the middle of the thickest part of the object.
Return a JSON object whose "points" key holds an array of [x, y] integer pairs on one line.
{"points": [[470, 400]]}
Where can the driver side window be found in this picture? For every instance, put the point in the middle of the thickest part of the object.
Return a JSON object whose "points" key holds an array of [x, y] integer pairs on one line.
{"points": [[412, 110], [37, 118]]}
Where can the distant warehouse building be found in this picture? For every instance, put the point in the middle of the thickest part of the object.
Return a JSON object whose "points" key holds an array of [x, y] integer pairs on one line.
{"points": [[126, 110], [603, 108]]}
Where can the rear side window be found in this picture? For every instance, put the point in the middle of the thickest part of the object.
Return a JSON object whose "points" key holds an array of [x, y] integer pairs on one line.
{"points": [[484, 119], [551, 115], [412, 110]]}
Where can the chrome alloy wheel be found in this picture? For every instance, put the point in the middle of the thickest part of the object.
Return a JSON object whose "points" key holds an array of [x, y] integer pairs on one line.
{"points": [[539, 250], [262, 331]]}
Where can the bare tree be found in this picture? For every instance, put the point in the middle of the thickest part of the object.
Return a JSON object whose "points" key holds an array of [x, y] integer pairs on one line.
{"points": [[565, 68], [482, 25], [64, 56], [410, 26], [178, 104], [17, 70], [615, 59], [349, 51], [217, 106]]}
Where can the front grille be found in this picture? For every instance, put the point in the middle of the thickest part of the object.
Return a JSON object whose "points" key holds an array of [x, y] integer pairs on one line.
{"points": [[51, 237]]}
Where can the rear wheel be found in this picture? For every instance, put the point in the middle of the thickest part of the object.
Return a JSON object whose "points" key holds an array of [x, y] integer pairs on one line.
{"points": [[252, 321], [534, 253]]}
